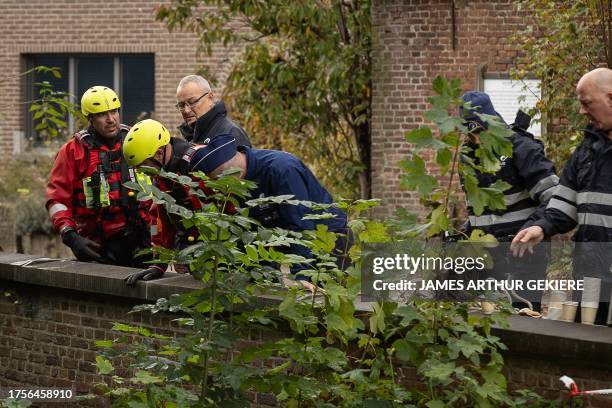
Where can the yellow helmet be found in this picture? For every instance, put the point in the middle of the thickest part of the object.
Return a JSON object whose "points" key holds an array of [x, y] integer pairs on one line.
{"points": [[99, 99], [143, 140]]}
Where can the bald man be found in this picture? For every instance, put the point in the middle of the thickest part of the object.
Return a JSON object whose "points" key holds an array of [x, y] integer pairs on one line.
{"points": [[205, 118], [584, 195]]}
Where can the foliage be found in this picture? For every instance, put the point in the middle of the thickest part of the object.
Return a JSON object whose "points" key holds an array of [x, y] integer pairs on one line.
{"points": [[454, 158], [303, 82], [22, 183], [11, 403], [561, 41], [328, 352], [50, 108]]}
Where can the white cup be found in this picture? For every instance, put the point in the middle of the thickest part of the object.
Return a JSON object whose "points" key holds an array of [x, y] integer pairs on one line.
{"points": [[568, 313], [587, 314], [557, 297], [591, 290], [554, 313]]}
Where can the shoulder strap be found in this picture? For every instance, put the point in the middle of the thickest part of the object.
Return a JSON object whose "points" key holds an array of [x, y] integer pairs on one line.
{"points": [[85, 138]]}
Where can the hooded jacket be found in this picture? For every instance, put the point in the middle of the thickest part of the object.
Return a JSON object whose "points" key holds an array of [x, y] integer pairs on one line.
{"points": [[212, 124]]}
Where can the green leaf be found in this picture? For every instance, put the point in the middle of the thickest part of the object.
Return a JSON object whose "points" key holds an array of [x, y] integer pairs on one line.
{"points": [[145, 378], [415, 176], [104, 343], [377, 319], [440, 85], [406, 351], [408, 314], [437, 370], [104, 366], [375, 232], [443, 157], [439, 221], [420, 137]]}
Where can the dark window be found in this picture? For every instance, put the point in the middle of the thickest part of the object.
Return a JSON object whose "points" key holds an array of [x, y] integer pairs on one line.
{"points": [[137, 87], [131, 76], [91, 71]]}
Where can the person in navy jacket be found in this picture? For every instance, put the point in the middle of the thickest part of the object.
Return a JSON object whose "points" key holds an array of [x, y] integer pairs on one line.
{"points": [[276, 173]]}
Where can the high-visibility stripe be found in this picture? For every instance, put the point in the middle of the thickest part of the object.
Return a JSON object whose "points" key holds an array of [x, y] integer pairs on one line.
{"points": [[544, 184], [565, 208], [565, 192], [547, 194], [591, 197], [598, 220], [511, 199], [492, 219], [55, 208]]}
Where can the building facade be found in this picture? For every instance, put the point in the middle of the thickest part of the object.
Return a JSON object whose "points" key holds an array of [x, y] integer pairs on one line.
{"points": [[415, 41], [121, 44], [114, 42]]}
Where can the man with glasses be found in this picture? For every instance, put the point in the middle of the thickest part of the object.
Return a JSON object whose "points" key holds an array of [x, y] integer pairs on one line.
{"points": [[195, 101]]}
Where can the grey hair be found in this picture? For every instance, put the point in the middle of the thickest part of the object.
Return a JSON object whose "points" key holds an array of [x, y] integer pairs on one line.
{"points": [[196, 79]]}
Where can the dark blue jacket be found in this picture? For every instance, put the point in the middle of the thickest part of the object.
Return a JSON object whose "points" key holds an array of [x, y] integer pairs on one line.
{"points": [[212, 124], [279, 173], [532, 181]]}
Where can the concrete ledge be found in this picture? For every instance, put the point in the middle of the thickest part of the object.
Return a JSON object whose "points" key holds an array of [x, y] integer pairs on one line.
{"points": [[546, 339], [89, 277], [580, 344]]}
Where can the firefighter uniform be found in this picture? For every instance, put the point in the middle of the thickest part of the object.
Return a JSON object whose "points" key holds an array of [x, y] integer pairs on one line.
{"points": [[97, 217], [85, 193]]}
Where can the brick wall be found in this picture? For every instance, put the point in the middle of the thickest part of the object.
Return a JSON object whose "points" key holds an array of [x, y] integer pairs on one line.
{"points": [[412, 44], [111, 26], [55, 311], [48, 337]]}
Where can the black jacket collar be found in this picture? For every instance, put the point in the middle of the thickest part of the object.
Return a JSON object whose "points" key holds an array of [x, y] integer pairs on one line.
{"points": [[206, 121]]}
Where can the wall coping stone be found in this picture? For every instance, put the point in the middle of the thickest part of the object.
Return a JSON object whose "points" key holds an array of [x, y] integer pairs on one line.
{"points": [[543, 339]]}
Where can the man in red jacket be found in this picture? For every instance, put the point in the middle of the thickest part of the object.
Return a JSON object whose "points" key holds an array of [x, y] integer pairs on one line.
{"points": [[97, 217]]}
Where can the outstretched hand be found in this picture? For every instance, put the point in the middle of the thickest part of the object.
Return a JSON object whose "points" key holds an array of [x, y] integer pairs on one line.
{"points": [[525, 240]]}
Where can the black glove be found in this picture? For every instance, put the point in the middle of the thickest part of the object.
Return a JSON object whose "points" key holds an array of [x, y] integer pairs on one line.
{"points": [[84, 249], [153, 272]]}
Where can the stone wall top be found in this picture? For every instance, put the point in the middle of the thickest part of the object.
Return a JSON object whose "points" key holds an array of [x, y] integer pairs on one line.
{"points": [[545, 339]]}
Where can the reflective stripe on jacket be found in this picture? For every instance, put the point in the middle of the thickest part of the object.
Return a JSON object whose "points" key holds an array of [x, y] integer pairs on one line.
{"points": [[584, 195], [532, 179]]}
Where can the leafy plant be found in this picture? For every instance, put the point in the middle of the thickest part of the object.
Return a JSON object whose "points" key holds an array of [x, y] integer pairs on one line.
{"points": [[328, 353], [22, 185], [549, 52], [455, 159], [50, 108], [303, 81]]}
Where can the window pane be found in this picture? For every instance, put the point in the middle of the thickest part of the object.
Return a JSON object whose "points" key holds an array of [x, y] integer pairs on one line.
{"points": [[59, 85], [506, 96], [138, 87], [93, 70]]}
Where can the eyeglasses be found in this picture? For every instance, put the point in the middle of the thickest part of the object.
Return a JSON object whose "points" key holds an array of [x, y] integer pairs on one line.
{"points": [[182, 105]]}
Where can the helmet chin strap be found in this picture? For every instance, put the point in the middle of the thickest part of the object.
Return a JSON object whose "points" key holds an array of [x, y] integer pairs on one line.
{"points": [[163, 160], [164, 156]]}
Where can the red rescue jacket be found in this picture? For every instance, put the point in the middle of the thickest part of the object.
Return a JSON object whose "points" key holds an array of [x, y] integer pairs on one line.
{"points": [[85, 189]]}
